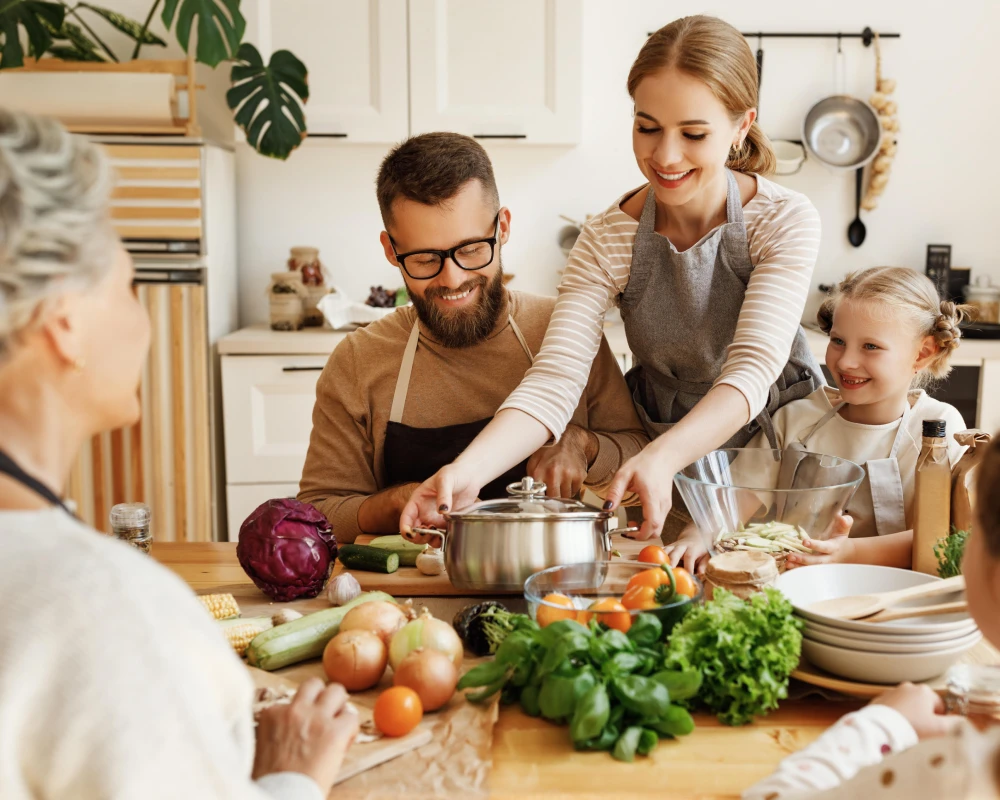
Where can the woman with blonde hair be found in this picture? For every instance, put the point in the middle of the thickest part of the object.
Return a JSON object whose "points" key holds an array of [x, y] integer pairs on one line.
{"points": [[114, 682], [710, 263]]}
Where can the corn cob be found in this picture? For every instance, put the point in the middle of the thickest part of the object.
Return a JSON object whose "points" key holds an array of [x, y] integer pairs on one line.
{"points": [[220, 606], [240, 632]]}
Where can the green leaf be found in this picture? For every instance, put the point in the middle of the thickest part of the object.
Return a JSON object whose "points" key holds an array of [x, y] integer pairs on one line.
{"points": [[36, 17], [129, 27], [67, 52], [79, 47], [627, 744], [220, 28], [267, 100]]}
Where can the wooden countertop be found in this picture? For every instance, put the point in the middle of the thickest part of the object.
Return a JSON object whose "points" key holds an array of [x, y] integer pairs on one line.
{"points": [[532, 758]]}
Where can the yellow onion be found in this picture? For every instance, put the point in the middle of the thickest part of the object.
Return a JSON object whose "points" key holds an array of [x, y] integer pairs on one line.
{"points": [[427, 632], [379, 617], [431, 674], [356, 659]]}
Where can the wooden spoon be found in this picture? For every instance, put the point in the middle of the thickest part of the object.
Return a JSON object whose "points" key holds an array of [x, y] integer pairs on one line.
{"points": [[864, 605], [918, 611]]}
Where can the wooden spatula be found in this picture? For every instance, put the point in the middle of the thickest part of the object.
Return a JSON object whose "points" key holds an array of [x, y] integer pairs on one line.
{"points": [[864, 605], [891, 614]]}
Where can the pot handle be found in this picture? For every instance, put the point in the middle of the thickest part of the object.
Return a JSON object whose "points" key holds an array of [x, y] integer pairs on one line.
{"points": [[429, 532], [629, 529]]}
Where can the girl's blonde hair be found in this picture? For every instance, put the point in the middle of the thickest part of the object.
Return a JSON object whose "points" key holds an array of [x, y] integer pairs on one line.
{"points": [[715, 53], [911, 294]]}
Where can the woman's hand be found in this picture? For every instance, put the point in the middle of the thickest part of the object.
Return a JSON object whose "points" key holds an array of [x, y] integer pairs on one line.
{"points": [[310, 735], [838, 549], [449, 488], [922, 707], [651, 477], [691, 549]]}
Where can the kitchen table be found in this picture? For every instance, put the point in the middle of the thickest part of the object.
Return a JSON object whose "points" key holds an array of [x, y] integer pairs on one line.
{"points": [[532, 758]]}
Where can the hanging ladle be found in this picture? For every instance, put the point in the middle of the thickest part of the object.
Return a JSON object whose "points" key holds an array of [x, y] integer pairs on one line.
{"points": [[856, 230]]}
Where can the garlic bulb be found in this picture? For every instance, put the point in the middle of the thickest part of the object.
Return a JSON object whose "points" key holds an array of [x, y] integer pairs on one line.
{"points": [[285, 615], [342, 589], [431, 561]]}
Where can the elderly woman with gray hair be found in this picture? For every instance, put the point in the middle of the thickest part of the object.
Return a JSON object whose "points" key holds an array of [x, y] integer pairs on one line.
{"points": [[114, 683]]}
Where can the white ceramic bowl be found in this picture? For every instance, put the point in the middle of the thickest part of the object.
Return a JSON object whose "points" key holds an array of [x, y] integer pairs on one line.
{"points": [[858, 638], [888, 668], [805, 586], [789, 156], [887, 646]]}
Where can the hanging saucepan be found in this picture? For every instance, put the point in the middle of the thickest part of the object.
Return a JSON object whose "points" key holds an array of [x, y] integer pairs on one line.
{"points": [[498, 544], [842, 132]]}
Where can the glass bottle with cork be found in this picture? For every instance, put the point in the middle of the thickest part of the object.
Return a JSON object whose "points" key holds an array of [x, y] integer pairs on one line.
{"points": [[932, 496]]}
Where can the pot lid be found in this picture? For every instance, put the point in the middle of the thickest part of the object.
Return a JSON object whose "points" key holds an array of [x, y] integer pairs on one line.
{"points": [[527, 500]]}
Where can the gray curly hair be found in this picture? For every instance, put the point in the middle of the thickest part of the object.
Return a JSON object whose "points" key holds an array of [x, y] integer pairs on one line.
{"points": [[55, 230]]}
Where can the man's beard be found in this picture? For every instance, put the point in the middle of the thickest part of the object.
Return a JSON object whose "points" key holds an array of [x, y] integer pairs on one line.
{"points": [[463, 327]]}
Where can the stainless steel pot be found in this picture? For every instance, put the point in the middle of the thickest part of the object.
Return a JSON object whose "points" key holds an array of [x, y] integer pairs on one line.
{"points": [[498, 544]]}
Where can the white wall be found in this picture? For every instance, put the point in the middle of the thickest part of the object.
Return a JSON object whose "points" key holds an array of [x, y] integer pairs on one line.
{"points": [[942, 188]]}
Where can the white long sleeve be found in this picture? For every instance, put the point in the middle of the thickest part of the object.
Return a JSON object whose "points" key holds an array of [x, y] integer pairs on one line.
{"points": [[114, 682], [856, 741], [783, 233]]}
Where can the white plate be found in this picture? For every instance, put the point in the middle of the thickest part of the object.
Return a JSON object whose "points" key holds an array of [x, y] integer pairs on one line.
{"points": [[805, 586], [888, 668], [884, 646], [810, 627]]}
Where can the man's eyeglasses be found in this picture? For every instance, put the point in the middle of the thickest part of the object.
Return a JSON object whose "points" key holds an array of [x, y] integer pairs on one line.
{"points": [[422, 265]]}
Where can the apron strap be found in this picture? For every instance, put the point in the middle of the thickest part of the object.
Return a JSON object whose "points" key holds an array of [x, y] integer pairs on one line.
{"points": [[406, 367], [804, 440]]}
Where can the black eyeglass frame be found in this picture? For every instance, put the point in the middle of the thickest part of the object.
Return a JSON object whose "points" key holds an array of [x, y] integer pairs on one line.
{"points": [[446, 254]]}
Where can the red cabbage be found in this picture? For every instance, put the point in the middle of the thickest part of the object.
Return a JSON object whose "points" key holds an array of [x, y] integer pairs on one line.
{"points": [[287, 548]]}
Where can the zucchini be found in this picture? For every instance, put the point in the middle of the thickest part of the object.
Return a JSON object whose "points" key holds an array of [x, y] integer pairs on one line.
{"points": [[303, 638], [370, 559], [406, 550]]}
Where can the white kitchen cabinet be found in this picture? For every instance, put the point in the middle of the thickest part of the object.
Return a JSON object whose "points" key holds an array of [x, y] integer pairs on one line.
{"points": [[242, 499], [267, 406], [508, 70], [355, 51]]}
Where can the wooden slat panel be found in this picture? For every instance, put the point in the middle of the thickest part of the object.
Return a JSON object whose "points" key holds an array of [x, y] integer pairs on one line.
{"points": [[159, 173], [97, 478], [117, 466], [202, 523], [155, 212], [136, 473], [177, 393], [149, 152], [74, 490], [185, 232], [157, 413], [156, 193]]}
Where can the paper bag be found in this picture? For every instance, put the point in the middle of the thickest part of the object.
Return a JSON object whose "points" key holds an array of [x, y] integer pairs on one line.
{"points": [[961, 498]]}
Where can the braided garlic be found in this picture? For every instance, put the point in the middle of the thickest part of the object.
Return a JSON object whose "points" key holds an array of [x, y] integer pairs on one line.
{"points": [[887, 109]]}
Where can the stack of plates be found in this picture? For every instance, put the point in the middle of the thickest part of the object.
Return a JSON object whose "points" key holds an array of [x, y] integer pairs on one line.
{"points": [[916, 649]]}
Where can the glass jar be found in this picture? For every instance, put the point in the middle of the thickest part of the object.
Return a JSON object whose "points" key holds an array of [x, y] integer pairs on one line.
{"points": [[130, 523], [285, 295], [985, 298], [974, 692], [305, 261]]}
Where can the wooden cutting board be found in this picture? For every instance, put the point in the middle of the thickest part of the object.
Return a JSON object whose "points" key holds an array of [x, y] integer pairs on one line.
{"points": [[410, 582], [982, 653], [362, 756]]}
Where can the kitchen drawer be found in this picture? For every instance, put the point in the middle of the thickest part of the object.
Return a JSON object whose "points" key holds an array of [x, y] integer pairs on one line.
{"points": [[241, 500], [267, 404]]}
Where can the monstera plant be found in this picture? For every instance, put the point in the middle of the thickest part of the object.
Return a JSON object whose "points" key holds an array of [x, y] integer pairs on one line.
{"points": [[266, 98]]}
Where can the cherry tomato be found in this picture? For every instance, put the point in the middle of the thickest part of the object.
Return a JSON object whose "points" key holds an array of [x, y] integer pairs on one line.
{"points": [[546, 614], [685, 583], [398, 711], [654, 577], [608, 611], [651, 554]]}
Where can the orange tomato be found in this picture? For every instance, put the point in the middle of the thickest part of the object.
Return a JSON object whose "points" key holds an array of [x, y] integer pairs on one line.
{"points": [[640, 598], [649, 577], [685, 583], [608, 611], [398, 711], [546, 614], [651, 554]]}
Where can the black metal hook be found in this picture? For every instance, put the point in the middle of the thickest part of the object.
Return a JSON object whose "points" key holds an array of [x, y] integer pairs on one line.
{"points": [[838, 43]]}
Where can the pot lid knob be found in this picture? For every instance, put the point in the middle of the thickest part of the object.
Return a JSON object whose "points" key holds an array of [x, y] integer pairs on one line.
{"points": [[528, 487]]}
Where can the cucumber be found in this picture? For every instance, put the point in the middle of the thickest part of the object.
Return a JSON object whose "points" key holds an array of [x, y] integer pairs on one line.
{"points": [[406, 550], [303, 638], [365, 557]]}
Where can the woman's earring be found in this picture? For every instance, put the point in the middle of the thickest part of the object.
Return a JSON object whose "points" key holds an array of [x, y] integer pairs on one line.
{"points": [[78, 365], [737, 146]]}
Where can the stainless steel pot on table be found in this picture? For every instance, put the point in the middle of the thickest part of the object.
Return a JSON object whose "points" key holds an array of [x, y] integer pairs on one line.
{"points": [[498, 544]]}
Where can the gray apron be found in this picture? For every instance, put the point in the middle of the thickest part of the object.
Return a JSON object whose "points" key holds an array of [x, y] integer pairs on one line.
{"points": [[886, 484], [680, 312]]}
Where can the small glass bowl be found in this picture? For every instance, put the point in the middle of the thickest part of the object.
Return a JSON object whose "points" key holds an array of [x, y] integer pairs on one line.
{"points": [[590, 581]]}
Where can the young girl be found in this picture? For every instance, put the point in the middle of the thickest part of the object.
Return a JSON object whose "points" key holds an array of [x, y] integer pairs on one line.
{"points": [[890, 335], [710, 263], [952, 760]]}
